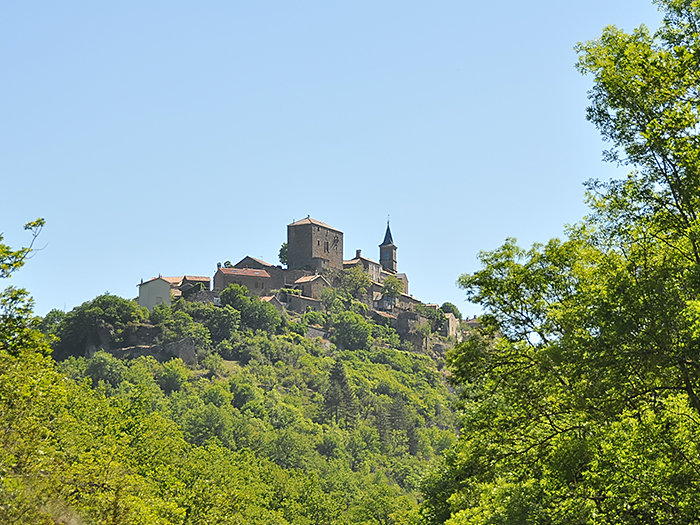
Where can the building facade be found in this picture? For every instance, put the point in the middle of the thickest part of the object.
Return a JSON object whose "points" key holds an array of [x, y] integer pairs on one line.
{"points": [[257, 281], [314, 245]]}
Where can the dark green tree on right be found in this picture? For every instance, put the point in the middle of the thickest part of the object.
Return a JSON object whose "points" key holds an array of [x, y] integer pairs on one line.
{"points": [[581, 393]]}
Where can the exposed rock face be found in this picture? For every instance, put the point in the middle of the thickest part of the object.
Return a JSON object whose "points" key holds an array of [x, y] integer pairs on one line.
{"points": [[406, 321], [316, 332], [184, 349], [141, 334], [138, 340], [99, 339]]}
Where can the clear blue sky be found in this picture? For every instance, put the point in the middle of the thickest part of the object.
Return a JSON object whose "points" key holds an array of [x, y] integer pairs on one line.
{"points": [[162, 137]]}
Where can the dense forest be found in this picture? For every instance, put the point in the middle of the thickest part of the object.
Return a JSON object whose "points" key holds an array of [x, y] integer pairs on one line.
{"points": [[576, 402], [264, 426]]}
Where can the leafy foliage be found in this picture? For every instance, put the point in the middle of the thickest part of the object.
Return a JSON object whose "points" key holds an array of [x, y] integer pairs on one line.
{"points": [[392, 287], [580, 394], [356, 282], [449, 308], [284, 253]]}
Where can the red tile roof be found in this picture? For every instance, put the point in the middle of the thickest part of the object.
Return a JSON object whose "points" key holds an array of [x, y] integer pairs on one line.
{"points": [[247, 272], [306, 279], [197, 278], [174, 281]]}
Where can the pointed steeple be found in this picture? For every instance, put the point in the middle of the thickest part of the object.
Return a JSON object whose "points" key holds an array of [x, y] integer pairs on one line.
{"points": [[387, 251], [388, 241]]}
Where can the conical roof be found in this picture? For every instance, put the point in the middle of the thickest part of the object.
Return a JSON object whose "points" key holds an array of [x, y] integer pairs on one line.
{"points": [[388, 241]]}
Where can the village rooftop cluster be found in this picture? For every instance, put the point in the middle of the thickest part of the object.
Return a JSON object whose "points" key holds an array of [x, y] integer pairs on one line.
{"points": [[314, 262]]}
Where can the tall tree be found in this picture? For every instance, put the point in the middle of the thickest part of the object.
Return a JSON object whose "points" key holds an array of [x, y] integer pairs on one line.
{"points": [[581, 392]]}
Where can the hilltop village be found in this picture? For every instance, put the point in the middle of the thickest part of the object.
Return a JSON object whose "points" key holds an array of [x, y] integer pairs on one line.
{"points": [[314, 252]]}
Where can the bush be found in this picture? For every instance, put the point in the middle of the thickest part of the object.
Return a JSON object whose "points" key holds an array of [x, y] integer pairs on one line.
{"points": [[352, 332]]}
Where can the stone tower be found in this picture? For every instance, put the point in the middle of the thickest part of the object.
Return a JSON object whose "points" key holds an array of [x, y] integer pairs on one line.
{"points": [[387, 252], [314, 245]]}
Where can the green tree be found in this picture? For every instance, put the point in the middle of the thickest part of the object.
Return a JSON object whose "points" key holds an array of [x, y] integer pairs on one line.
{"points": [[449, 308], [352, 332], [581, 391], [435, 316], [106, 368], [356, 282], [392, 287], [339, 399], [255, 314], [85, 325], [284, 254], [173, 376], [11, 260]]}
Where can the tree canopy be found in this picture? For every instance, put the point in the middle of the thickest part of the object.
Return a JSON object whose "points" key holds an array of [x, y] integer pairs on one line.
{"points": [[580, 394]]}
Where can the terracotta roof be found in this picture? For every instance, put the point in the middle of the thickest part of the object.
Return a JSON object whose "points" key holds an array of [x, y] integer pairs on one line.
{"points": [[306, 279], [309, 220], [174, 281], [248, 272], [267, 298], [197, 278], [386, 315]]}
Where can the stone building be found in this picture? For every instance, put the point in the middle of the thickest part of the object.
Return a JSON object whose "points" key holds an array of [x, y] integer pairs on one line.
{"points": [[276, 273], [257, 281], [370, 267], [314, 245], [311, 285]]}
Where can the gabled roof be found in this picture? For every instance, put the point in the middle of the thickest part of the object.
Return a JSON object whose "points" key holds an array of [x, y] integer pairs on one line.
{"points": [[156, 279], [357, 260], [246, 272], [259, 261], [309, 220], [388, 241], [197, 278], [309, 278]]}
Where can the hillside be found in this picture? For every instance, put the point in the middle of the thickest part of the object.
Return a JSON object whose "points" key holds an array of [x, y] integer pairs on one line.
{"points": [[195, 413]]}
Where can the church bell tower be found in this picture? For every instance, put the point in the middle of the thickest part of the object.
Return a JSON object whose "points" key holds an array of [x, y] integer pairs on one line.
{"points": [[387, 252]]}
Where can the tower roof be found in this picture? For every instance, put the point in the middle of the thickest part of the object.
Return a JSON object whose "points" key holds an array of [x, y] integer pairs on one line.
{"points": [[388, 241], [309, 220]]}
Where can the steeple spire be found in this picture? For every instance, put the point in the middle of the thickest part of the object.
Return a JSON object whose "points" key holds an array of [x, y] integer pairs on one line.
{"points": [[387, 251], [388, 241]]}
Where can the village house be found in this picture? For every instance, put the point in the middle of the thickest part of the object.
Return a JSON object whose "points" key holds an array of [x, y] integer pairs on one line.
{"points": [[311, 285], [257, 281], [161, 289], [370, 267]]}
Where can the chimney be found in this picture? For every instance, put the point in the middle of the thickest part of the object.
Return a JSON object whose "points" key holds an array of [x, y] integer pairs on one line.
{"points": [[218, 266], [358, 254]]}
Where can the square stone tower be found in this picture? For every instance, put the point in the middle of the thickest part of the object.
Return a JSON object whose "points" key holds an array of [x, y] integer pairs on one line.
{"points": [[314, 245]]}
